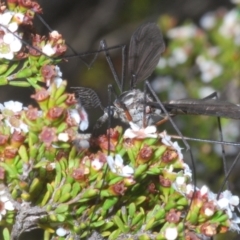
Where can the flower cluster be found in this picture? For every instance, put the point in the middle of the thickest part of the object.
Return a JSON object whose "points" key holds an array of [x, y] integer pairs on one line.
{"points": [[205, 59], [29, 60]]}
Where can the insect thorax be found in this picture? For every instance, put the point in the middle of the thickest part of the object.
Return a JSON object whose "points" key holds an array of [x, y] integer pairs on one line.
{"points": [[133, 101]]}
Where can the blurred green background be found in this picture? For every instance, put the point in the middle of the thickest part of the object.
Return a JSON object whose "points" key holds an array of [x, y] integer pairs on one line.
{"points": [[84, 23]]}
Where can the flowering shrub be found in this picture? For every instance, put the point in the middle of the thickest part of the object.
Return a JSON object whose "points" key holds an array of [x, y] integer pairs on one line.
{"points": [[124, 184], [205, 59]]}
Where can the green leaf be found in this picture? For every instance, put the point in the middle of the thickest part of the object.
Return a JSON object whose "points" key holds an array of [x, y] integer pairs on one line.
{"points": [[107, 225], [75, 189], [140, 169], [149, 224], [109, 203], [132, 209], [140, 200], [98, 223], [64, 197], [11, 170], [66, 188], [120, 224], [61, 217], [137, 218], [114, 234], [62, 208], [19, 83], [6, 234], [46, 198]]}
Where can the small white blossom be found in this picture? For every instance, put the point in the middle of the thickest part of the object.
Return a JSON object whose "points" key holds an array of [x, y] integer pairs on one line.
{"points": [[5, 205], [81, 118], [208, 68], [228, 202], [187, 170], [208, 21], [204, 190], [137, 132], [14, 106], [116, 166], [166, 139], [9, 44], [231, 26], [63, 137], [183, 32], [189, 189], [97, 164], [61, 232], [9, 109], [6, 17], [180, 55], [48, 50], [171, 233], [19, 126], [19, 17], [180, 180]]}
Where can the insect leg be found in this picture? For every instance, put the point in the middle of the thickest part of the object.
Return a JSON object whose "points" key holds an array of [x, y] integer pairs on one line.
{"points": [[224, 162], [103, 45]]}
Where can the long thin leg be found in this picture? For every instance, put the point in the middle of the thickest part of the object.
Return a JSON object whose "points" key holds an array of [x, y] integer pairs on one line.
{"points": [[119, 83], [224, 162]]}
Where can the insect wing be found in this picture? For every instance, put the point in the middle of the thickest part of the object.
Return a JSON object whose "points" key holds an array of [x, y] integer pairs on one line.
{"points": [[87, 97], [146, 46]]}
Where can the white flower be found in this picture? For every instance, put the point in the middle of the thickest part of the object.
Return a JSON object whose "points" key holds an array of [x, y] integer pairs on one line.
{"points": [[234, 222], [9, 44], [231, 26], [58, 79], [171, 233], [11, 108], [209, 69], [208, 21], [63, 137], [5, 205], [187, 171], [58, 71], [166, 139], [19, 17], [180, 180], [137, 132], [61, 232], [189, 189], [5, 18], [14, 106], [116, 166], [48, 50], [97, 164], [183, 32], [204, 190], [179, 55], [84, 119], [16, 125], [80, 116], [228, 202]]}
